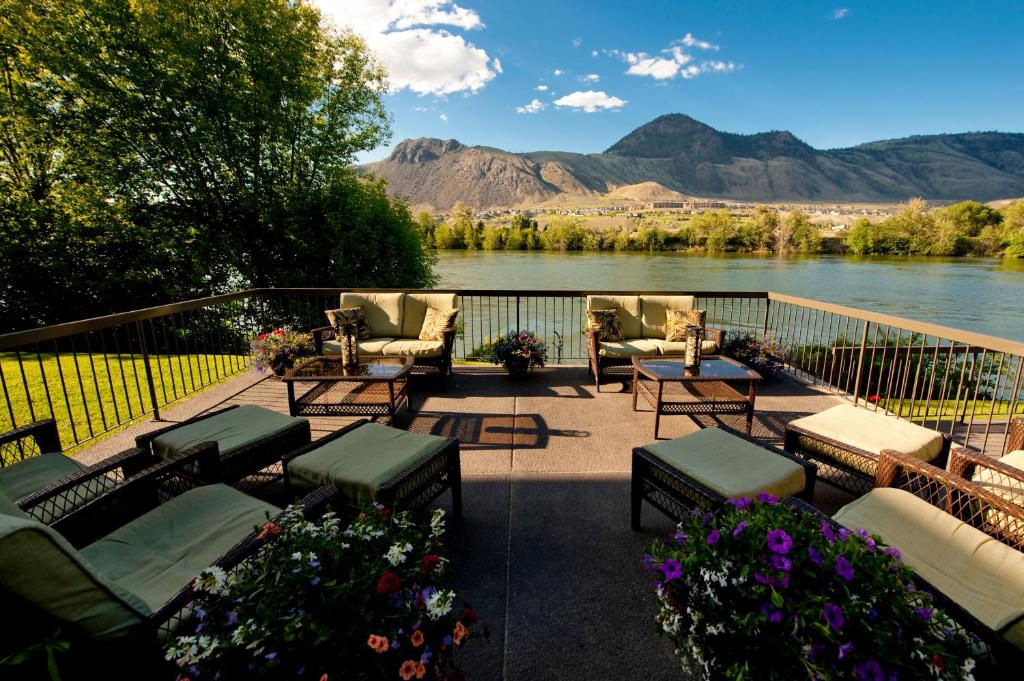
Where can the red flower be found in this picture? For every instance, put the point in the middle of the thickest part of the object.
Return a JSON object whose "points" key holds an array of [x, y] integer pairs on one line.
{"points": [[470, 615], [279, 332], [262, 336], [384, 511], [938, 663], [428, 563], [388, 583], [874, 398]]}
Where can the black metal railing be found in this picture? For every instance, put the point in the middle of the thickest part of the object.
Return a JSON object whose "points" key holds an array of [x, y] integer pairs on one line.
{"points": [[97, 375]]}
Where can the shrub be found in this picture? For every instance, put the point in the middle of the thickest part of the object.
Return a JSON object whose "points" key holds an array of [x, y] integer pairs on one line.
{"points": [[518, 346], [317, 601], [763, 354], [279, 349], [760, 591]]}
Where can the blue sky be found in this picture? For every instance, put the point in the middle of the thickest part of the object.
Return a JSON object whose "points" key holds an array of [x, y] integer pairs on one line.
{"points": [[577, 76]]}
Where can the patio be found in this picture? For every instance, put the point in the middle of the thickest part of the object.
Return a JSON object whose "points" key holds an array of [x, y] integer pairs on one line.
{"points": [[545, 552]]}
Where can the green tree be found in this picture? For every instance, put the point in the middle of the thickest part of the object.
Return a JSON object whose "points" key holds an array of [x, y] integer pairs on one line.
{"points": [[805, 236], [427, 225], [718, 228], [1013, 229], [463, 226], [758, 231], [862, 237], [493, 238], [971, 217]]}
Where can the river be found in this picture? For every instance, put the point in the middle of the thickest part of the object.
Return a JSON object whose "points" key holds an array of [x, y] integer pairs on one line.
{"points": [[985, 295]]}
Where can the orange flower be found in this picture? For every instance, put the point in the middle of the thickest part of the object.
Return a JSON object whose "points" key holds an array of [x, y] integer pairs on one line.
{"points": [[416, 639], [407, 670], [379, 644], [460, 633], [324, 677], [267, 530], [421, 670]]}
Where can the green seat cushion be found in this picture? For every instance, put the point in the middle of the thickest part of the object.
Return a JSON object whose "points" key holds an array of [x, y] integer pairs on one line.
{"points": [[981, 574], [41, 574], [415, 348], [157, 554], [36, 472], [231, 430], [370, 346], [362, 461], [641, 347], [730, 465], [707, 347], [8, 506]]}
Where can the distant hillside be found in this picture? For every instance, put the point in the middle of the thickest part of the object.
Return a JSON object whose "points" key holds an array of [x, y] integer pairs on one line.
{"points": [[684, 155], [646, 191]]}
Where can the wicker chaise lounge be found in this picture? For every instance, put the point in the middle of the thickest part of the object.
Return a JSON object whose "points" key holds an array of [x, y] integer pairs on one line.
{"points": [[845, 442], [119, 570], [643, 320], [249, 439], [369, 462]]}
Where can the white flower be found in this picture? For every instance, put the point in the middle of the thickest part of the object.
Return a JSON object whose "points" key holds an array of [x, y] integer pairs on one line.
{"points": [[439, 604], [296, 556], [211, 579], [437, 522], [396, 554]]}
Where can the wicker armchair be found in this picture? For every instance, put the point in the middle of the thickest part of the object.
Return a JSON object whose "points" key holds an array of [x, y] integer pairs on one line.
{"points": [[1004, 520], [1015, 435]]}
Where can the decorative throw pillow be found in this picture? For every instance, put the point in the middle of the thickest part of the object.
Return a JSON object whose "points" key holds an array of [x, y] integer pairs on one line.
{"points": [[676, 322], [349, 315], [436, 322], [606, 324]]}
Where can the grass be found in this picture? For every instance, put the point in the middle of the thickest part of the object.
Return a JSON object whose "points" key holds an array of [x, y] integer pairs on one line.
{"points": [[99, 394], [952, 408]]}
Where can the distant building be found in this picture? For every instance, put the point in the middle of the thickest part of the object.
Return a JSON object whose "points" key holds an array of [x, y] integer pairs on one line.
{"points": [[686, 205]]}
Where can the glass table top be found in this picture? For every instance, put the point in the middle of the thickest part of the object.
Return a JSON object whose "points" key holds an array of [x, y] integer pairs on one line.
{"points": [[370, 367], [711, 369]]}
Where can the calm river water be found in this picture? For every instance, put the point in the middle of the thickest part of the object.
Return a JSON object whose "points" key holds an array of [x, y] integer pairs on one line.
{"points": [[980, 294]]}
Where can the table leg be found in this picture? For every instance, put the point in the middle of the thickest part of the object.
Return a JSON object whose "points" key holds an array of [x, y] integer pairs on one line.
{"points": [[636, 380], [292, 411], [392, 407], [751, 396], [657, 408]]}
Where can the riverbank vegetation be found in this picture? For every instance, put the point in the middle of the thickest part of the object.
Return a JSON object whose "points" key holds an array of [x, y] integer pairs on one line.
{"points": [[966, 228]]}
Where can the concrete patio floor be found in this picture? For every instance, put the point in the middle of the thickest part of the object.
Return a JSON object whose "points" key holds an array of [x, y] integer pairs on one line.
{"points": [[545, 552]]}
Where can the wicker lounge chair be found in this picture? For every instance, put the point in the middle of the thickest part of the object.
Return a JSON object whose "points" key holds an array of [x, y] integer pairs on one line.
{"points": [[395, 320], [120, 568], [931, 516], [643, 329], [250, 439], [372, 462], [845, 442]]}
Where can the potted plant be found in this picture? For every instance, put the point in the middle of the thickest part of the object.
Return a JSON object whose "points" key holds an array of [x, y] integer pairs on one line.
{"points": [[278, 350], [323, 601], [761, 591], [764, 354], [518, 351]]}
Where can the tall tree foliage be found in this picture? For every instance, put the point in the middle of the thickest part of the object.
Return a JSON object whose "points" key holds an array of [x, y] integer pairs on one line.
{"points": [[210, 141]]}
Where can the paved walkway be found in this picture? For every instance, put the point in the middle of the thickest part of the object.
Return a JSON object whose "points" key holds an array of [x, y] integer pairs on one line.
{"points": [[545, 552]]}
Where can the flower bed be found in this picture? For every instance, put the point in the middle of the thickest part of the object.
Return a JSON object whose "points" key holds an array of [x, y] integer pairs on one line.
{"points": [[518, 351], [278, 350], [316, 601], [764, 354], [759, 591]]}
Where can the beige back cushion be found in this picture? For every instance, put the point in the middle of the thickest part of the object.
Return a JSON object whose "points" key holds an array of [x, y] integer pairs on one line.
{"points": [[629, 311], [652, 312], [383, 311], [415, 310]]}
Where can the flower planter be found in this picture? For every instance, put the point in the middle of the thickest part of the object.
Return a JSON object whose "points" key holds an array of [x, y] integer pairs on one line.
{"points": [[518, 368]]}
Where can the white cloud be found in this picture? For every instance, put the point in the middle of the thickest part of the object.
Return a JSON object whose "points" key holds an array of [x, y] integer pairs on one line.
{"points": [[576, 42], [558, 72], [420, 108], [590, 101], [840, 13], [418, 55], [443, 117], [689, 41], [533, 107], [541, 88], [674, 61], [591, 78], [593, 53]]}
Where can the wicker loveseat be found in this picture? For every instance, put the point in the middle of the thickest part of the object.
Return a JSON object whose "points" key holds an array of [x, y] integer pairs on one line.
{"points": [[395, 320], [643, 319]]}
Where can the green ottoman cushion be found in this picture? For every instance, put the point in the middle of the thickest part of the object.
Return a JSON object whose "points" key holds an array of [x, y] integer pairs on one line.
{"points": [[231, 430], [36, 472], [47, 575], [158, 553], [362, 461], [730, 465]]}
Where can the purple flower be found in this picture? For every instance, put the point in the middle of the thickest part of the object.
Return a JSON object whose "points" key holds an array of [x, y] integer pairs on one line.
{"points": [[924, 613], [895, 553], [447, 641], [742, 503], [395, 645], [742, 525], [648, 561], [817, 652], [232, 618], [815, 556], [779, 541], [844, 569], [826, 529], [672, 569], [760, 579], [845, 649], [771, 612], [766, 498], [844, 534], [713, 537], [869, 671], [833, 614], [781, 563], [680, 537]]}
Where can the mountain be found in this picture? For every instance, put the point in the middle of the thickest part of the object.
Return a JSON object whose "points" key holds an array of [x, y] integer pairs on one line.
{"points": [[686, 156]]}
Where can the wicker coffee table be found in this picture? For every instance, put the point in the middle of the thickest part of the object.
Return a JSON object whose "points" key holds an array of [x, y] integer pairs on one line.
{"points": [[377, 386], [670, 389]]}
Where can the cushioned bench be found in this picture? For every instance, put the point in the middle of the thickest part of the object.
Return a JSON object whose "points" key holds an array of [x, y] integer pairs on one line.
{"points": [[369, 462], [846, 440], [249, 438], [708, 467]]}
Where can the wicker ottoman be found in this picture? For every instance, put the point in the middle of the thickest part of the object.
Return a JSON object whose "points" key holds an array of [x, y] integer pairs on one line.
{"points": [[706, 468], [369, 462], [846, 441]]}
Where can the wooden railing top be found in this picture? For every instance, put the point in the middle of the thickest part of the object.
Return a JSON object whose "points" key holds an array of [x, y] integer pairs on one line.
{"points": [[19, 339]]}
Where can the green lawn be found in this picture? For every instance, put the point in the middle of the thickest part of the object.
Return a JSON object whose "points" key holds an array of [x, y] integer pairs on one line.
{"points": [[101, 393], [951, 408]]}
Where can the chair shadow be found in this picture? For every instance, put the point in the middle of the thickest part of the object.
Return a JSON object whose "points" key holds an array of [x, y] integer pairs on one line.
{"points": [[490, 431]]}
